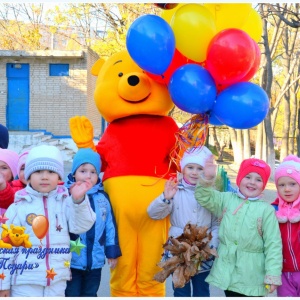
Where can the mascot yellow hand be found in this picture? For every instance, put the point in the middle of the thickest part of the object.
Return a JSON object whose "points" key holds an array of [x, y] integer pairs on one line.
{"points": [[82, 132]]}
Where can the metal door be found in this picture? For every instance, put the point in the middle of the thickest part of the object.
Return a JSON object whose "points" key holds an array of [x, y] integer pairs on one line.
{"points": [[17, 110]]}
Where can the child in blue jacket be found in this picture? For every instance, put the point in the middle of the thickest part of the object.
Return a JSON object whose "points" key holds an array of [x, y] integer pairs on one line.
{"points": [[102, 239]]}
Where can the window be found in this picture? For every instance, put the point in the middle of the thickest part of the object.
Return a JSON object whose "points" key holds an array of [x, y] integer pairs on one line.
{"points": [[59, 69]]}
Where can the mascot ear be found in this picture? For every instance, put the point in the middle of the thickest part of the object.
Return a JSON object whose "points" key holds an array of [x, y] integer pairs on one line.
{"points": [[97, 66]]}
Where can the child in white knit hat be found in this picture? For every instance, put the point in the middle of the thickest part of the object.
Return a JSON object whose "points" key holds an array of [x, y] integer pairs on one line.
{"points": [[47, 213], [179, 202]]}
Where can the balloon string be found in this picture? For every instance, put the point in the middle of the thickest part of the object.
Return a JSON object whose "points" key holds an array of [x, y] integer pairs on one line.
{"points": [[192, 134]]}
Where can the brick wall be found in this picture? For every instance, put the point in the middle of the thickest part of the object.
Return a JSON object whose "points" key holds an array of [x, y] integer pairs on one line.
{"points": [[92, 110], [54, 99]]}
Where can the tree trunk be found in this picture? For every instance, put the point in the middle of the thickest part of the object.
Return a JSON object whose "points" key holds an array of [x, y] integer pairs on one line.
{"points": [[247, 146]]}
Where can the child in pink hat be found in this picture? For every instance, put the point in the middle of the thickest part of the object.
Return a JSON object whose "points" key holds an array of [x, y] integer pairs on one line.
{"points": [[8, 171], [287, 180], [8, 193]]}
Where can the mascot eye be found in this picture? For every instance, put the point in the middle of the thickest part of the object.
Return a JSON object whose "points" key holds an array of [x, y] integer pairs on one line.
{"points": [[120, 74]]}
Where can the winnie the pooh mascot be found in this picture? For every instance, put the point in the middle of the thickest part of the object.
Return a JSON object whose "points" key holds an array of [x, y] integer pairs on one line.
{"points": [[135, 150]]}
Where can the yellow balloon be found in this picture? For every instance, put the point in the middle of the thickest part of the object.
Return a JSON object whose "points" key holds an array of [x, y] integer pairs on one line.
{"points": [[253, 25], [167, 14], [229, 15], [194, 27]]}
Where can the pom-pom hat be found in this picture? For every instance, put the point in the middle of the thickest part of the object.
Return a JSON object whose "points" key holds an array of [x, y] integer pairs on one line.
{"points": [[22, 158], [11, 159], [254, 165], [44, 157], [195, 156], [86, 156], [290, 167]]}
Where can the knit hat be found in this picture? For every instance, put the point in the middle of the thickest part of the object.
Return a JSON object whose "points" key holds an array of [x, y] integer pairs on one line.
{"points": [[86, 156], [4, 137], [44, 157], [22, 158], [254, 165], [195, 155], [11, 159], [290, 167]]}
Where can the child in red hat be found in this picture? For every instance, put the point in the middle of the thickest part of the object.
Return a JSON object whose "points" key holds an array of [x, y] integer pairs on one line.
{"points": [[250, 248], [287, 204]]}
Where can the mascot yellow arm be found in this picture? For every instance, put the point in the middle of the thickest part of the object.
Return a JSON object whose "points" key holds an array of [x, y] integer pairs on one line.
{"points": [[82, 132]]}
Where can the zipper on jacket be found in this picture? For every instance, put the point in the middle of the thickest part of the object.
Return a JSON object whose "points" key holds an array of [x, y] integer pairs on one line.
{"points": [[294, 260], [47, 238]]}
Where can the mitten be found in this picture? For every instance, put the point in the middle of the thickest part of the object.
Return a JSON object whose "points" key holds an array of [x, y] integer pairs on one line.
{"points": [[82, 132]]}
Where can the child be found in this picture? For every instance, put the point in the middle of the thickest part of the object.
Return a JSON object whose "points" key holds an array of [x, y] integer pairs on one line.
{"points": [[102, 239], [287, 180], [47, 213], [20, 182], [179, 202], [250, 249], [8, 171]]}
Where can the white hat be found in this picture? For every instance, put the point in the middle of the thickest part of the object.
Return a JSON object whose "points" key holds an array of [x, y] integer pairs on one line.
{"points": [[195, 155], [44, 157]]}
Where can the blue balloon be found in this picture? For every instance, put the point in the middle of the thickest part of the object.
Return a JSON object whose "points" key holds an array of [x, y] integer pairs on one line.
{"points": [[213, 120], [242, 105], [193, 89], [150, 42]]}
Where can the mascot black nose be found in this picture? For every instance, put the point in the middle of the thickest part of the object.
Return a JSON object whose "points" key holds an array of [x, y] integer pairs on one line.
{"points": [[133, 80]]}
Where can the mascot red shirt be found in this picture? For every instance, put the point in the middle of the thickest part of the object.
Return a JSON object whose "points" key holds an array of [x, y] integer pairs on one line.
{"points": [[134, 151]]}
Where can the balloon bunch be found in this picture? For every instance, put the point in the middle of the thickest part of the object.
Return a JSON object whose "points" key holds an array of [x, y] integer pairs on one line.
{"points": [[206, 54]]}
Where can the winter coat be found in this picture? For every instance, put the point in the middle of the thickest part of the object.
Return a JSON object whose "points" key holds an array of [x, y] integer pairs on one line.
{"points": [[290, 234], [8, 194], [53, 250], [102, 239], [184, 209], [250, 249]]}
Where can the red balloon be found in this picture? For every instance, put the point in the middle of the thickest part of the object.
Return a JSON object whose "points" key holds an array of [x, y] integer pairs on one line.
{"points": [[166, 5], [255, 65], [177, 61], [230, 56]]}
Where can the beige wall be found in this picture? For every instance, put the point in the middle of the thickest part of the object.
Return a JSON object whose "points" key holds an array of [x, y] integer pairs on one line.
{"points": [[54, 99]]}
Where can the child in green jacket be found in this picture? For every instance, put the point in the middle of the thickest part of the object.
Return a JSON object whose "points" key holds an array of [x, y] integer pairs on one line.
{"points": [[250, 249]]}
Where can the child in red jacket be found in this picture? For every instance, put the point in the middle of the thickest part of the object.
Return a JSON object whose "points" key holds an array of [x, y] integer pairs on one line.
{"points": [[20, 182], [8, 171], [287, 180]]}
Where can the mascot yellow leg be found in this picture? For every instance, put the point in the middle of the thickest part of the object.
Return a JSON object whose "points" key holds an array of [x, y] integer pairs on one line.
{"points": [[141, 238]]}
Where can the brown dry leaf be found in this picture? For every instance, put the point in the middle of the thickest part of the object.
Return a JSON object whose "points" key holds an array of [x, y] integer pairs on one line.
{"points": [[178, 277]]}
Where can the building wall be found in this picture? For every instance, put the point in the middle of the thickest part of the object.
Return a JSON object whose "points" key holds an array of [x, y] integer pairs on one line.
{"points": [[55, 99], [92, 110]]}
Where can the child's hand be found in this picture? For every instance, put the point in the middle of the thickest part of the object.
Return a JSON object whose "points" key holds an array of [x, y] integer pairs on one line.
{"points": [[210, 168], [273, 287], [79, 189], [171, 188], [5, 293], [112, 262], [2, 182]]}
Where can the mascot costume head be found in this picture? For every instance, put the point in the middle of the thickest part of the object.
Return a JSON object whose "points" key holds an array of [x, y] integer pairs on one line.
{"points": [[135, 151]]}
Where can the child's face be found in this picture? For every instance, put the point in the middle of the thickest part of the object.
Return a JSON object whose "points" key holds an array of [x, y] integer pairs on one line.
{"points": [[191, 173], [44, 181], [21, 174], [86, 172], [288, 189], [5, 171], [251, 185]]}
